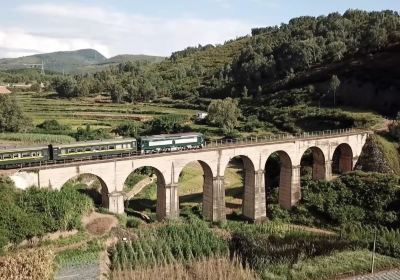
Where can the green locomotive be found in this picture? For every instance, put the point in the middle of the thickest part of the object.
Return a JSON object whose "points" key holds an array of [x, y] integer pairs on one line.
{"points": [[170, 142]]}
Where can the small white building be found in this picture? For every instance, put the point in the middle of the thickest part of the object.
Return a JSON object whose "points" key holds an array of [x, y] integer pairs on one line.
{"points": [[201, 115]]}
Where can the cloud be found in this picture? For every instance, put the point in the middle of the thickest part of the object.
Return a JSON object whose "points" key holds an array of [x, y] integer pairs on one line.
{"points": [[74, 26], [17, 42]]}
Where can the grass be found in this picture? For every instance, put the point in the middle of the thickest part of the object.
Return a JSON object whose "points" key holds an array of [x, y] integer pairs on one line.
{"points": [[79, 256], [206, 269], [345, 263], [36, 138], [389, 149]]}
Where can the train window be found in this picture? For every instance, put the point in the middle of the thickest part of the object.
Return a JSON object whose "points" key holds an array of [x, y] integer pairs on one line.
{"points": [[16, 155], [80, 150], [111, 147], [71, 150], [96, 148], [63, 151], [6, 156], [25, 155], [88, 149], [119, 147], [103, 148], [39, 154]]}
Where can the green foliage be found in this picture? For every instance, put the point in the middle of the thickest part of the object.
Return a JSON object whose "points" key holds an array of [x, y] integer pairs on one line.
{"points": [[389, 149], [90, 134], [65, 87], [168, 124], [387, 240], [12, 118], [224, 113], [130, 129], [261, 251], [37, 138], [80, 256], [53, 127], [133, 222], [34, 212], [355, 197]]}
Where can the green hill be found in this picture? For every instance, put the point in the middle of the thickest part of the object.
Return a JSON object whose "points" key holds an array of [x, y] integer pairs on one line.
{"points": [[57, 61], [115, 60]]}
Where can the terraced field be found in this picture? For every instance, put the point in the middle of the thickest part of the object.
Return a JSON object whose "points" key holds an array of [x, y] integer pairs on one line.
{"points": [[99, 112]]}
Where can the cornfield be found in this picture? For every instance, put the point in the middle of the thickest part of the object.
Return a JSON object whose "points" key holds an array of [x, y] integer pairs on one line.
{"points": [[36, 138], [174, 242], [32, 265], [205, 269]]}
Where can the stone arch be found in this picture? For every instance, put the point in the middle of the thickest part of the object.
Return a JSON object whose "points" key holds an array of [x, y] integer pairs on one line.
{"points": [[342, 159], [289, 189], [207, 193], [104, 191], [248, 204], [318, 163], [163, 204]]}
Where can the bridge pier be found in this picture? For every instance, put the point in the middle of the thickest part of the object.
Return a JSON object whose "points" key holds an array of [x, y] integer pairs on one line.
{"points": [[167, 201], [328, 170], [115, 202], [289, 186], [214, 199], [254, 206]]}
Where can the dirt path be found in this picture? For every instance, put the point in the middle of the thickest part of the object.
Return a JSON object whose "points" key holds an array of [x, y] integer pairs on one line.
{"points": [[139, 187]]}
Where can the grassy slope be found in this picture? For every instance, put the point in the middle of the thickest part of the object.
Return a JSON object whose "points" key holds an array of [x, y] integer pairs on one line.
{"points": [[327, 267], [390, 151]]}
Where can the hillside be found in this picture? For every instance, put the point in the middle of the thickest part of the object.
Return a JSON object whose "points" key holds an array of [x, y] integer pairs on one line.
{"points": [[57, 61], [86, 60], [115, 60]]}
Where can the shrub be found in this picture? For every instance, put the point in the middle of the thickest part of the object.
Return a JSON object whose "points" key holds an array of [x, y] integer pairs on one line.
{"points": [[133, 222]]}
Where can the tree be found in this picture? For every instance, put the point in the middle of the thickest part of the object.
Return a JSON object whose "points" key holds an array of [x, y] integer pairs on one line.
{"points": [[334, 84], [65, 87], [117, 93], [12, 118], [224, 113], [82, 88]]}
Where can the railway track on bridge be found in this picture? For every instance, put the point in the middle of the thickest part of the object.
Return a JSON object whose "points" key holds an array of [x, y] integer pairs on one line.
{"points": [[209, 146]]}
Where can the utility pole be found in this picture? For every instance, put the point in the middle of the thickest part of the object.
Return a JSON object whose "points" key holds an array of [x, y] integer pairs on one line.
{"points": [[373, 253], [42, 72]]}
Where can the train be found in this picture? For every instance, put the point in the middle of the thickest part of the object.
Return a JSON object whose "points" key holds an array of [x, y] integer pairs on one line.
{"points": [[12, 157]]}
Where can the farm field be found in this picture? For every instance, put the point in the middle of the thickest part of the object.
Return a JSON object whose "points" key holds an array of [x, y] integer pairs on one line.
{"points": [[98, 112]]}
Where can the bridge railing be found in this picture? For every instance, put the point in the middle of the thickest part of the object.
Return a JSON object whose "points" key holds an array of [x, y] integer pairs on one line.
{"points": [[277, 137]]}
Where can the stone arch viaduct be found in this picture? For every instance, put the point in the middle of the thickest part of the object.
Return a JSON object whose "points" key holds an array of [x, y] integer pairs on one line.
{"points": [[341, 149]]}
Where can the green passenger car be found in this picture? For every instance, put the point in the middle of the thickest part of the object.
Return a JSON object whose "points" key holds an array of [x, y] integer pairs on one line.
{"points": [[94, 149], [170, 142], [21, 156]]}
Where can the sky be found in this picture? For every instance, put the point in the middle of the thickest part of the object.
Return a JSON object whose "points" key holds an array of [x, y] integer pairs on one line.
{"points": [[154, 27]]}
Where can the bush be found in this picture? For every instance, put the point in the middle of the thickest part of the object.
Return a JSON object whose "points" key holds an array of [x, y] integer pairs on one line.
{"points": [[133, 222], [368, 198], [53, 127], [34, 212]]}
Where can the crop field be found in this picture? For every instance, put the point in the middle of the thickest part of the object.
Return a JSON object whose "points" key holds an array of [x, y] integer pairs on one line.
{"points": [[99, 112]]}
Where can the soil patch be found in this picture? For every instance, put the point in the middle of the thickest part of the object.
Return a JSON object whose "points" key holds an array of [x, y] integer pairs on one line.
{"points": [[99, 224]]}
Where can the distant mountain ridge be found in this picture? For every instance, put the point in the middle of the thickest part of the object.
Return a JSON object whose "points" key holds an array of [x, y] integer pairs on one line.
{"points": [[71, 61]]}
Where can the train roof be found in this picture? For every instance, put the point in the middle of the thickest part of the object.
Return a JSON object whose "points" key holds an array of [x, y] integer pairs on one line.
{"points": [[98, 142], [176, 135]]}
